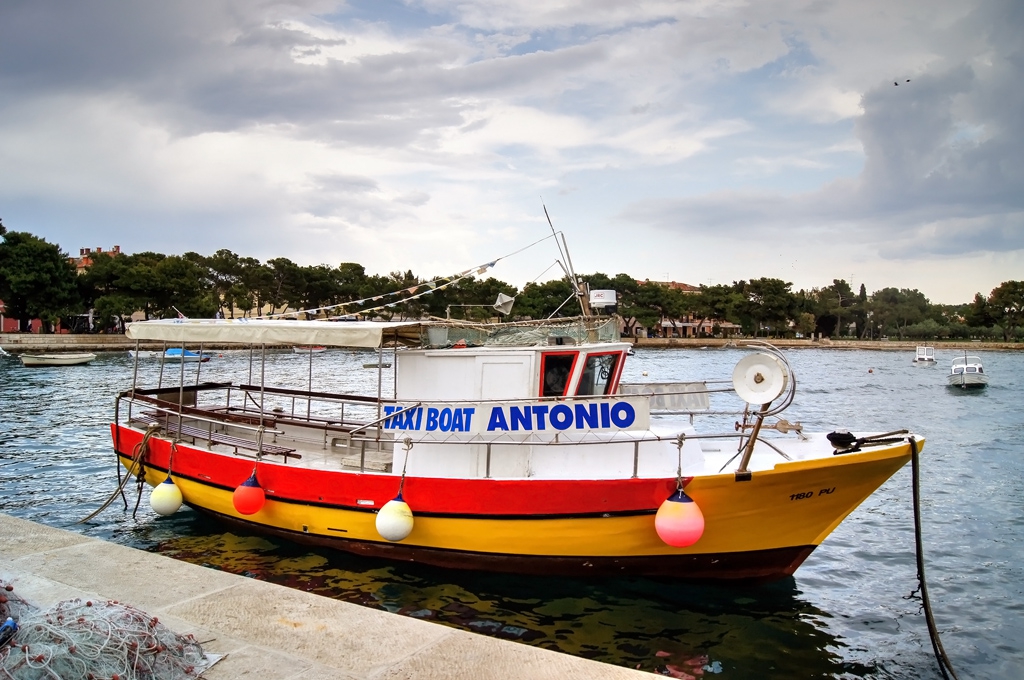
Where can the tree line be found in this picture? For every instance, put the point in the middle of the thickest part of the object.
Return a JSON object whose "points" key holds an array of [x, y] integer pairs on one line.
{"points": [[38, 280]]}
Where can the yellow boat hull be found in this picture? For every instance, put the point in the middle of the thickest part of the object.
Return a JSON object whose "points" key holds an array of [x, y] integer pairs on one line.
{"points": [[761, 528]]}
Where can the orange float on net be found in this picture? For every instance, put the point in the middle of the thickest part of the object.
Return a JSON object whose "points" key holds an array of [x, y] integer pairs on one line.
{"points": [[679, 521], [249, 498]]}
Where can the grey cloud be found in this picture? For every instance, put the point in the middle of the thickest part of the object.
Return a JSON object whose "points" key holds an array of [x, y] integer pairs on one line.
{"points": [[942, 173], [211, 66]]}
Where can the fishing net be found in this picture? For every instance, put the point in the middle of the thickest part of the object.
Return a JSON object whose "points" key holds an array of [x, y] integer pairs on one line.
{"points": [[89, 640], [521, 333]]}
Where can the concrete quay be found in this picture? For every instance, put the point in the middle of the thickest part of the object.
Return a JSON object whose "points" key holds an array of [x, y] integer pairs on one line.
{"points": [[17, 343], [264, 630]]}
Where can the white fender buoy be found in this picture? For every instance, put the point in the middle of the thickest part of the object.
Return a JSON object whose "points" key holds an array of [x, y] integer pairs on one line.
{"points": [[679, 521], [394, 520], [165, 499]]}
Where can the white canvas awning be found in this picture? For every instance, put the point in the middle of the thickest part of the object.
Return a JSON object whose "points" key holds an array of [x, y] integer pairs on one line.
{"points": [[273, 331]]}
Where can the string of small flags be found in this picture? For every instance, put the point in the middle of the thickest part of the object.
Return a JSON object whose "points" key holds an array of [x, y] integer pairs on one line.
{"points": [[439, 283]]}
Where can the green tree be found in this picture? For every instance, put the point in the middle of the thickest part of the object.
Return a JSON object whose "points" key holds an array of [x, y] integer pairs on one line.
{"points": [[183, 284], [103, 292], [1006, 305], [37, 280], [895, 309], [841, 303], [770, 304], [539, 301], [860, 312], [805, 323], [320, 287], [255, 284], [978, 313], [285, 284]]}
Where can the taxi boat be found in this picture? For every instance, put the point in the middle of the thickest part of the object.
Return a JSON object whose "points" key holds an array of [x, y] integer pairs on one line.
{"points": [[507, 447]]}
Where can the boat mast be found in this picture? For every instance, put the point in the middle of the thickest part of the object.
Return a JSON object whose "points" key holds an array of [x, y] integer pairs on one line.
{"points": [[580, 288]]}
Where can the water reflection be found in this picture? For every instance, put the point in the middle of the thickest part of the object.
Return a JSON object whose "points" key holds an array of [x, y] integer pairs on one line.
{"points": [[671, 628]]}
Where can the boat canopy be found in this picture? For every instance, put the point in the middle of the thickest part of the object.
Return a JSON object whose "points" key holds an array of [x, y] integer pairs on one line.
{"points": [[425, 333], [274, 331]]}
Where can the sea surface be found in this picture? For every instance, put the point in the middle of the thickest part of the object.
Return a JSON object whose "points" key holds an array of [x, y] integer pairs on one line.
{"points": [[851, 611]]}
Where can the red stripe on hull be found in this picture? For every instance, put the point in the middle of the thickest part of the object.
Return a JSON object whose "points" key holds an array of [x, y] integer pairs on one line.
{"points": [[488, 497], [752, 566]]}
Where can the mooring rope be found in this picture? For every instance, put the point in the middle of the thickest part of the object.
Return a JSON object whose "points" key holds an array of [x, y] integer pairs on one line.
{"points": [[138, 454], [940, 653]]}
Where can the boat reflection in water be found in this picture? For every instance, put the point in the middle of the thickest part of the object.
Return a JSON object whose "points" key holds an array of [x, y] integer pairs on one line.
{"points": [[700, 629]]}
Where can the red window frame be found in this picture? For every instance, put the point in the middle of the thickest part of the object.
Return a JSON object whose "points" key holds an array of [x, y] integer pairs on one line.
{"points": [[613, 380], [572, 370]]}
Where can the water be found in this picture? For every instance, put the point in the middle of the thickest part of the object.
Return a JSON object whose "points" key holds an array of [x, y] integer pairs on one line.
{"points": [[846, 614]]}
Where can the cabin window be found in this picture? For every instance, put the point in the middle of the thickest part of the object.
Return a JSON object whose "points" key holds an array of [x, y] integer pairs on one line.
{"points": [[555, 369], [598, 373]]}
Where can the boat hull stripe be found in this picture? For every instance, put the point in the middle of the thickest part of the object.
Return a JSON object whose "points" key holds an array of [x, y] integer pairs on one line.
{"points": [[754, 565]]}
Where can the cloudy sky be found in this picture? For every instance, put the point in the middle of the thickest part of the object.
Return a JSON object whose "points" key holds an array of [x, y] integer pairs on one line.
{"points": [[701, 141]]}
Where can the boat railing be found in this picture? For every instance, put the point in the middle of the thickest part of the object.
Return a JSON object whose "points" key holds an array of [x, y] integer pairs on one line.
{"points": [[315, 418], [356, 423], [189, 422]]}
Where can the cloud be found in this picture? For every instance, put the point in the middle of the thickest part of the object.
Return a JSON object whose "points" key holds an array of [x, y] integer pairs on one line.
{"points": [[422, 134], [941, 174]]}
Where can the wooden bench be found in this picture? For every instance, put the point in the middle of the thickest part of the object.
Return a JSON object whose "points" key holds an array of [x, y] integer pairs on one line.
{"points": [[192, 432]]}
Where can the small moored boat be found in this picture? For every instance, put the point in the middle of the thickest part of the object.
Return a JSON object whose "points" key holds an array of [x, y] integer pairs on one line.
{"points": [[967, 372], [925, 356], [70, 359], [173, 354], [309, 349]]}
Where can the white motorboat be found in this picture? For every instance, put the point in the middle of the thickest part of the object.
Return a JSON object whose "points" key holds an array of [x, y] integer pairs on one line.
{"points": [[967, 372], [75, 359], [309, 349], [925, 356]]}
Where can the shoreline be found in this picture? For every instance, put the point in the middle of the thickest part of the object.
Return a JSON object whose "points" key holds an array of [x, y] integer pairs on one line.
{"points": [[17, 343], [826, 343]]}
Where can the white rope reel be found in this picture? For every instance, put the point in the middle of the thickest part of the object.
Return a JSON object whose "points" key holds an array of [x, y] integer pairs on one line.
{"points": [[760, 378]]}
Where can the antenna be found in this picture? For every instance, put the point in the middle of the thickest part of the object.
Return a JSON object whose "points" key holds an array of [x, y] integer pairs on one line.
{"points": [[563, 250]]}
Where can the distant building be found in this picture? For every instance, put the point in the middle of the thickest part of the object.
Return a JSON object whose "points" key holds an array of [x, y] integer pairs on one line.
{"points": [[687, 327], [690, 326], [82, 262], [85, 257], [685, 287]]}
